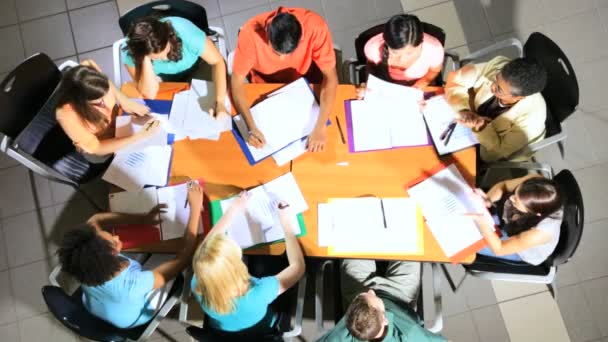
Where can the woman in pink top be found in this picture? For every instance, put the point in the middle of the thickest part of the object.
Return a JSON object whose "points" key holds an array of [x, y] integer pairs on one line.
{"points": [[403, 53]]}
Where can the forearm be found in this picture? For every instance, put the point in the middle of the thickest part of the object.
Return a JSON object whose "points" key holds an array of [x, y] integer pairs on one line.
{"points": [[240, 100], [109, 219], [224, 222], [147, 84], [219, 80], [428, 78], [111, 145], [295, 257], [490, 236], [190, 235], [329, 88]]}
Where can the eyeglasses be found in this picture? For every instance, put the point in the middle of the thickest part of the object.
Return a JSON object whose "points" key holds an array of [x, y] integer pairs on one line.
{"points": [[498, 90]]}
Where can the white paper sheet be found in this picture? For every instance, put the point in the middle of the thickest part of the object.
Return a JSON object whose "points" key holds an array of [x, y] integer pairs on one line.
{"points": [[127, 125], [370, 129], [291, 152], [175, 219], [439, 115], [139, 202], [132, 170]]}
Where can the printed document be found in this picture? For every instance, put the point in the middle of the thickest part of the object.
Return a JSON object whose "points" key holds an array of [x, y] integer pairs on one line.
{"points": [[132, 170], [439, 115]]}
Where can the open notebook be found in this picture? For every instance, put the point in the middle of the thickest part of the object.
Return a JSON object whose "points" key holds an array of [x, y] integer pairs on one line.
{"points": [[284, 116], [259, 224], [174, 220], [439, 115], [370, 225], [444, 198]]}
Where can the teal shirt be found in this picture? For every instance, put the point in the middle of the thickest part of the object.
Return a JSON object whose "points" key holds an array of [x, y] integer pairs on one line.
{"points": [[249, 308], [193, 45], [122, 300], [403, 325]]}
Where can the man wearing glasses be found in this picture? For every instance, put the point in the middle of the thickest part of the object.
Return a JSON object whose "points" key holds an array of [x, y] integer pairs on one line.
{"points": [[500, 101]]}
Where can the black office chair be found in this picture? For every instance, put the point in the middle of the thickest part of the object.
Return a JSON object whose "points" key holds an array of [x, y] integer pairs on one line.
{"points": [[332, 268], [290, 309], [358, 68], [168, 8], [570, 235], [32, 135], [70, 311]]}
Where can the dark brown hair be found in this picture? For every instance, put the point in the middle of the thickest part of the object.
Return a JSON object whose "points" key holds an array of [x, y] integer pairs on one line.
{"points": [[363, 321], [80, 85], [150, 35], [542, 198]]}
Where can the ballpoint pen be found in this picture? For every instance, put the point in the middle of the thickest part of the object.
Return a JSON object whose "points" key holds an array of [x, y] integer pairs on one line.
{"points": [[445, 136], [340, 129], [383, 213]]}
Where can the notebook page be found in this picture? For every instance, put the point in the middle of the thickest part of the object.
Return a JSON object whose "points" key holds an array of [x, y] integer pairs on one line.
{"points": [[139, 202], [175, 219], [439, 115], [371, 131], [402, 225]]}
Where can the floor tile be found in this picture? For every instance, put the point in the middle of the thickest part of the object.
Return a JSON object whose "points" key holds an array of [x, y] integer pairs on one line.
{"points": [[233, 6], [578, 155], [69, 215], [460, 328], [596, 124], [31, 9], [387, 8], [592, 98], [490, 325], [26, 236], [576, 313], [452, 304], [233, 23], [9, 332], [212, 7], [7, 301], [17, 195], [73, 4], [508, 290], [565, 8], [463, 21], [26, 282], [45, 328], [412, 5], [595, 293], [478, 292], [52, 35], [581, 37], [125, 6], [507, 16], [3, 249], [567, 273], [590, 258], [313, 5], [8, 13], [595, 191], [96, 26], [11, 53], [345, 14], [542, 323]]}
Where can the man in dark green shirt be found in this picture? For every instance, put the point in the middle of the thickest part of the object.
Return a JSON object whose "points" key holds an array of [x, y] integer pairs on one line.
{"points": [[379, 307]]}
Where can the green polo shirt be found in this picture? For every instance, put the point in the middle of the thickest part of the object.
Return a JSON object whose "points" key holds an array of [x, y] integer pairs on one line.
{"points": [[403, 325]]}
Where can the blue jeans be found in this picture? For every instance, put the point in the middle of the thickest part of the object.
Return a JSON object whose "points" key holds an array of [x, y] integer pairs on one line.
{"points": [[487, 251]]}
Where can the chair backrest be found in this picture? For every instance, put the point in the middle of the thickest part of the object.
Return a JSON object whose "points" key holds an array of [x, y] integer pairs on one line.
{"points": [[167, 8], [561, 92], [24, 91], [573, 221]]}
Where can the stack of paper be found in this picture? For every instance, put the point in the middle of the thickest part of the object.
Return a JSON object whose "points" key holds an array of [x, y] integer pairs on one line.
{"points": [[260, 222], [439, 115], [132, 170], [388, 117], [190, 113], [445, 198], [175, 218], [370, 225], [286, 116]]}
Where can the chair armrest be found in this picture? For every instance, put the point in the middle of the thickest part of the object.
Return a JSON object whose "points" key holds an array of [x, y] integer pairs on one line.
{"points": [[116, 62], [54, 276], [162, 313], [183, 305], [543, 168], [437, 325], [67, 64], [299, 315], [511, 42], [319, 291], [220, 39]]}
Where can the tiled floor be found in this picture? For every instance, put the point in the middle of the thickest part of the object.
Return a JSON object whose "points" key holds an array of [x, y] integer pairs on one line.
{"points": [[482, 311]]}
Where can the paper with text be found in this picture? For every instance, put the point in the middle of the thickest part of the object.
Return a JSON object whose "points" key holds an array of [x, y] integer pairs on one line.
{"points": [[132, 170], [127, 125], [439, 115]]}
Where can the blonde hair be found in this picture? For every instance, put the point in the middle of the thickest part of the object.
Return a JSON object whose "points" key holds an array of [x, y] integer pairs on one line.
{"points": [[221, 275]]}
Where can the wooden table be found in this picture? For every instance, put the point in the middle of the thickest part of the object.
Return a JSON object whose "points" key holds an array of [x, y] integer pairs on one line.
{"points": [[329, 174]]}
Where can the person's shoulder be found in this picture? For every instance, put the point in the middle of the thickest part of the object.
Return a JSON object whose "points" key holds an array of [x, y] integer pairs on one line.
{"points": [[307, 17], [373, 48], [177, 21], [270, 281]]}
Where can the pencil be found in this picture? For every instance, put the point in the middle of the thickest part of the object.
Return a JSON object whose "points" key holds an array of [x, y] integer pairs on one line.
{"points": [[340, 129]]}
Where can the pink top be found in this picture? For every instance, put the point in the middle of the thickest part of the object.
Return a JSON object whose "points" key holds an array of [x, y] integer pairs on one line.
{"points": [[431, 57]]}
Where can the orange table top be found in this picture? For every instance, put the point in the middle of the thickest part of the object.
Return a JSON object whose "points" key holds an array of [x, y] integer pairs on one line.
{"points": [[333, 173]]}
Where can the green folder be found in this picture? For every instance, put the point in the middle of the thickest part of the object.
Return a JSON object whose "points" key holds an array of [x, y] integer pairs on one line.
{"points": [[216, 214]]}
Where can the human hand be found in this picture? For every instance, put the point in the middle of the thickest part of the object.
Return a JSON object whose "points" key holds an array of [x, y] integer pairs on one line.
{"points": [[91, 63], [482, 197], [256, 138], [153, 216], [218, 110], [471, 120], [195, 196], [133, 107], [240, 202], [361, 90], [422, 104], [150, 128], [285, 213], [317, 139], [420, 84]]}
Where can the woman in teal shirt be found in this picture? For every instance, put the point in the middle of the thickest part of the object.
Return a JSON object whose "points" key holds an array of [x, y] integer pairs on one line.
{"points": [[168, 49]]}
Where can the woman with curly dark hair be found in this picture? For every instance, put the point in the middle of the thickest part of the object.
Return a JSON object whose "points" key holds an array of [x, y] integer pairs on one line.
{"points": [[170, 49]]}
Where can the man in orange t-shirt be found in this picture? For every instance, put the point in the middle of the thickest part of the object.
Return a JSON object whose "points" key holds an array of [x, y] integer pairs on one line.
{"points": [[279, 47]]}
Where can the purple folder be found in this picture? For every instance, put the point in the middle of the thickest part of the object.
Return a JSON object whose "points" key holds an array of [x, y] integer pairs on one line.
{"points": [[351, 136]]}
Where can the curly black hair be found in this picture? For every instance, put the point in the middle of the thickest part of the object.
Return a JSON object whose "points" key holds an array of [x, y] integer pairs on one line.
{"points": [[525, 75], [87, 256]]}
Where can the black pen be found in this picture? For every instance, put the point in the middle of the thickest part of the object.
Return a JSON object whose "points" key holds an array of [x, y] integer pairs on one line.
{"points": [[448, 132], [340, 129], [383, 213], [447, 139]]}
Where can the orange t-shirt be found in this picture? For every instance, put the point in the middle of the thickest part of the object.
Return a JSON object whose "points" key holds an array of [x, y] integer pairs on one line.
{"points": [[254, 52]]}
